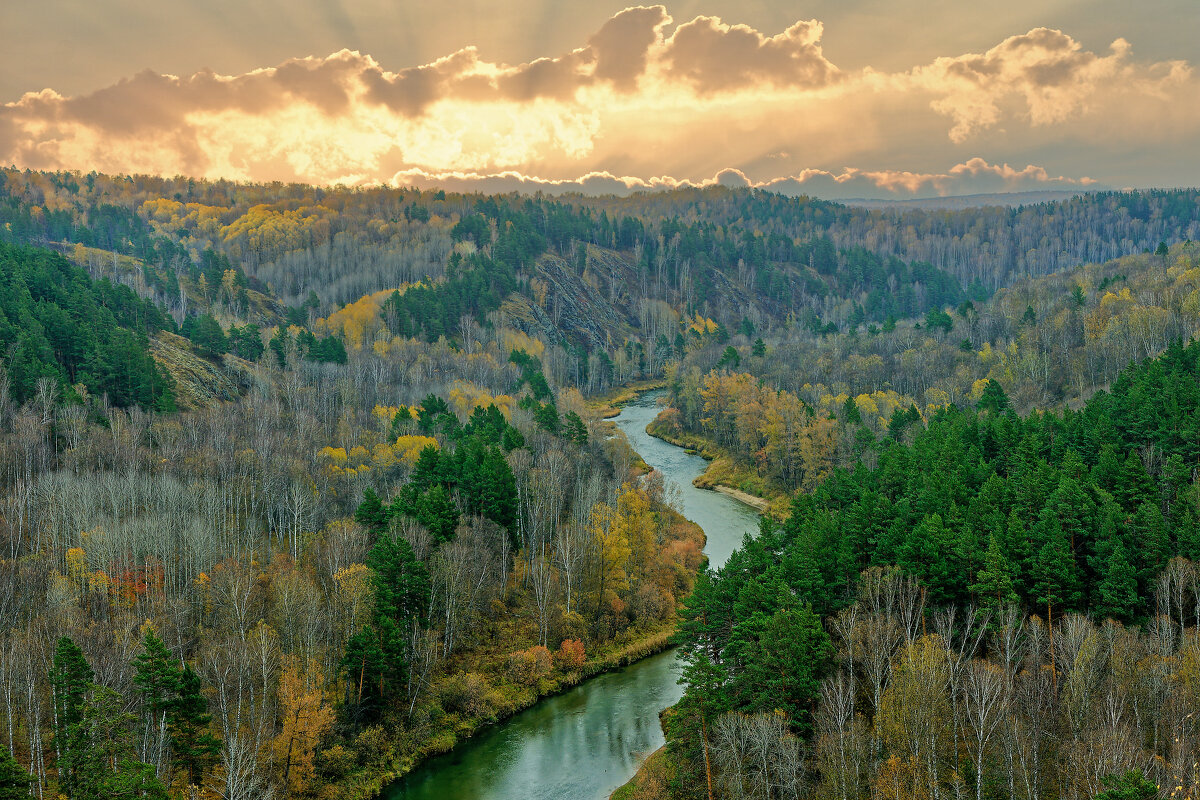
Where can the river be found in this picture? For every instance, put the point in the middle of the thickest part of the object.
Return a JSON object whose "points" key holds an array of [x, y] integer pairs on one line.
{"points": [[584, 743]]}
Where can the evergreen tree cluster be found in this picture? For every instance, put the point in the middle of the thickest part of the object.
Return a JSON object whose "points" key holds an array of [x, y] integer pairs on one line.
{"points": [[1077, 511], [475, 284], [327, 350], [57, 323], [472, 469], [1056, 513], [95, 734]]}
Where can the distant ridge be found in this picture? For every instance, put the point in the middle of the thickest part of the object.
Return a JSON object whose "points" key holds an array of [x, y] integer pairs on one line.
{"points": [[973, 200]]}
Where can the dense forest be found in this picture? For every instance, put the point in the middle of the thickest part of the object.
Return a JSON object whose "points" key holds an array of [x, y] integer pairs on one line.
{"points": [[299, 485], [781, 411], [1012, 604]]}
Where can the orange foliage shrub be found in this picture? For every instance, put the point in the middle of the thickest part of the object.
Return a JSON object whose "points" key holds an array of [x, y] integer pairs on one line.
{"points": [[570, 655], [527, 667]]}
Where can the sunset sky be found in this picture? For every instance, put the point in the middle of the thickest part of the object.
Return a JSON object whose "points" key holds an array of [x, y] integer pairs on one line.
{"points": [[836, 98]]}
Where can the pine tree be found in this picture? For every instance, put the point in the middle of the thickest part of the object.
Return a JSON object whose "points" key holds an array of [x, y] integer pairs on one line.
{"points": [[1151, 543], [376, 658], [574, 428], [993, 398], [371, 513], [100, 763], [850, 412], [1133, 785], [790, 655], [156, 676], [70, 679], [1133, 486], [194, 747], [1055, 576], [1021, 556], [14, 780], [1118, 596], [994, 583]]}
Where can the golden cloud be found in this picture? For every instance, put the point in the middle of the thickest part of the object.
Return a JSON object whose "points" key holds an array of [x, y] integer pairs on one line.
{"points": [[637, 98], [974, 176], [1048, 71]]}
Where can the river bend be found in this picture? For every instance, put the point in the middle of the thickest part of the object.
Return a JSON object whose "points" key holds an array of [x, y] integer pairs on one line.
{"points": [[586, 742]]}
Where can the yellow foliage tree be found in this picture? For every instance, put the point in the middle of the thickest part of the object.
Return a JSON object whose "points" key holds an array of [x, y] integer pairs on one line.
{"points": [[305, 717], [613, 548], [634, 526]]}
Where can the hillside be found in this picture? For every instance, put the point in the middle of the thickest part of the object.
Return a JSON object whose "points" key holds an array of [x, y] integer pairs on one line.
{"points": [[991, 598], [327, 454]]}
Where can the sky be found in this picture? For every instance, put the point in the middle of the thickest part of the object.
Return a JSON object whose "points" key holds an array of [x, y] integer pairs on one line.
{"points": [[833, 98]]}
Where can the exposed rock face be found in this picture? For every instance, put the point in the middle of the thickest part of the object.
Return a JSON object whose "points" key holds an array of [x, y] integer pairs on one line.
{"points": [[200, 382], [592, 309], [598, 308]]}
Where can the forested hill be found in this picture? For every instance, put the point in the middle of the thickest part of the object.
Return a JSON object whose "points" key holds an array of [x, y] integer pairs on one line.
{"points": [[385, 515], [940, 571], [991, 245], [587, 274], [65, 336]]}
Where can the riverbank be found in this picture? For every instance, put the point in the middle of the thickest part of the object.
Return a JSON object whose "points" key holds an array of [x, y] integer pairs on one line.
{"points": [[652, 780], [723, 474], [609, 404], [479, 692], [536, 756], [620, 654]]}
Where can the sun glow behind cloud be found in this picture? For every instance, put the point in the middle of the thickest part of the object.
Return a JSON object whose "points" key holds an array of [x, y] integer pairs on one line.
{"points": [[698, 102]]}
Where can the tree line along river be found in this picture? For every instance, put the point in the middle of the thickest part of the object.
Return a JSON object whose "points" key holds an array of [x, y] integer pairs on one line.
{"points": [[586, 742]]}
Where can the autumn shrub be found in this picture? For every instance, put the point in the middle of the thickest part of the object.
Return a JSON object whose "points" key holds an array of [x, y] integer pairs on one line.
{"points": [[527, 667], [373, 747], [521, 668], [570, 655], [335, 763], [569, 625], [651, 603], [468, 694], [543, 663]]}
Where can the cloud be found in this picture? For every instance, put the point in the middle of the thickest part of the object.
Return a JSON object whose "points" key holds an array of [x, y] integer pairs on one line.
{"points": [[701, 101], [713, 56], [1046, 69], [974, 176], [622, 45]]}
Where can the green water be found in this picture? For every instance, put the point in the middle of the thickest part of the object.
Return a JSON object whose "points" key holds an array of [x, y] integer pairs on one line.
{"points": [[583, 744]]}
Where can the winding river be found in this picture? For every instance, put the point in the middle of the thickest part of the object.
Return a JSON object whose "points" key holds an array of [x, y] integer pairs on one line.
{"points": [[584, 743]]}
